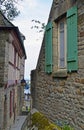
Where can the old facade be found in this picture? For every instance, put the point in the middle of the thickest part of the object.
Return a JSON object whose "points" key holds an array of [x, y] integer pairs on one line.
{"points": [[12, 61], [57, 83]]}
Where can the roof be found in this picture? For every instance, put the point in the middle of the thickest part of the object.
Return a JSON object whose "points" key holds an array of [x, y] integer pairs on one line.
{"points": [[6, 24]]}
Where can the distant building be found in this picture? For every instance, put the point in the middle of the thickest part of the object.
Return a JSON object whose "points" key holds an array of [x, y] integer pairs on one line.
{"points": [[12, 62], [57, 83]]}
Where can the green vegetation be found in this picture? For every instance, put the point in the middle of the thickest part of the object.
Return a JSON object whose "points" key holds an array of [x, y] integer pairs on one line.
{"points": [[9, 8], [67, 127], [43, 123], [39, 26]]}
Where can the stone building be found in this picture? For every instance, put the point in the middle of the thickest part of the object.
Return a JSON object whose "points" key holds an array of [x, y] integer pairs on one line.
{"points": [[57, 83], [12, 62]]}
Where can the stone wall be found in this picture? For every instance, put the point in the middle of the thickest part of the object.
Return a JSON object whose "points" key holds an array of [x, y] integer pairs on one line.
{"points": [[2, 56], [62, 99], [3, 76], [1, 107], [22, 67], [5, 120], [33, 88]]}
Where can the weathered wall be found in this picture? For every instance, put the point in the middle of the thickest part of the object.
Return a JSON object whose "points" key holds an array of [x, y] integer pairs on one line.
{"points": [[33, 88], [5, 88], [22, 67], [62, 99], [1, 107], [3, 75], [2, 55]]}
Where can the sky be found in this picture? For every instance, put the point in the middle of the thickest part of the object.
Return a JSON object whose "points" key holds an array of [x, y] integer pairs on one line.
{"points": [[29, 10]]}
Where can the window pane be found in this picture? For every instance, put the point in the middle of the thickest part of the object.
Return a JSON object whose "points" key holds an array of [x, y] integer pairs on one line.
{"points": [[62, 47], [62, 26]]}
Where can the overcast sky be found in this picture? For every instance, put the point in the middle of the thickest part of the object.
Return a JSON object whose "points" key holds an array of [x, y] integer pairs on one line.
{"points": [[38, 10]]}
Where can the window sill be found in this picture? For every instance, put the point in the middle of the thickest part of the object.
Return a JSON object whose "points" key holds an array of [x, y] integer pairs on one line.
{"points": [[60, 74]]}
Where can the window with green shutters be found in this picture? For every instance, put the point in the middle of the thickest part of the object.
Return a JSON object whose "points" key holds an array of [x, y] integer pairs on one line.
{"points": [[48, 48], [67, 44], [72, 60]]}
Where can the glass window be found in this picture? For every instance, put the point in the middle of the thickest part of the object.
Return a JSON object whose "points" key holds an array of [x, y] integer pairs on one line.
{"points": [[62, 44]]}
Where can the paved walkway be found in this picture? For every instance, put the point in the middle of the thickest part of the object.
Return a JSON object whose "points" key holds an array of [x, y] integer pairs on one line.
{"points": [[19, 122]]}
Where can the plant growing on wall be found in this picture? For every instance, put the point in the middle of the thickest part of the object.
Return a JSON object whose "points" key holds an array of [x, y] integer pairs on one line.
{"points": [[43, 123], [67, 127]]}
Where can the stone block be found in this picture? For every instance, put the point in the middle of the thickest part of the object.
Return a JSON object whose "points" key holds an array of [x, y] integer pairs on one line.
{"points": [[62, 83], [60, 73], [82, 80], [60, 90], [81, 62]]}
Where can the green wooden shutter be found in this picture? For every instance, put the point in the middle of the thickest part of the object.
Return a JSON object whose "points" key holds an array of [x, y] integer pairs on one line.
{"points": [[72, 58], [48, 48]]}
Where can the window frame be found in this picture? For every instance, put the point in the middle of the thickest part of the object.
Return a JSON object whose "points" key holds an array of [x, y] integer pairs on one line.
{"points": [[65, 44], [71, 65]]}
